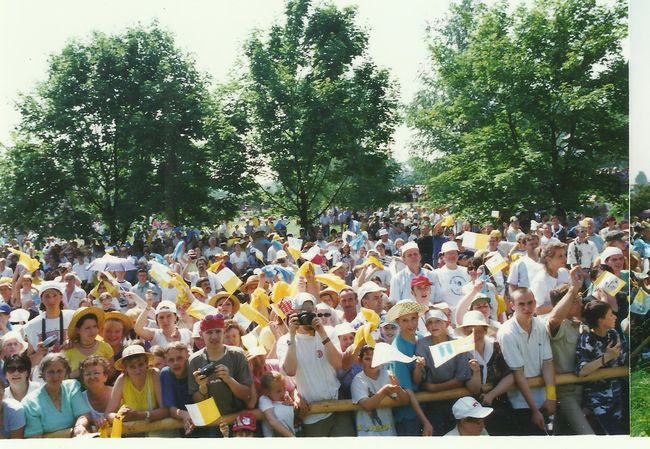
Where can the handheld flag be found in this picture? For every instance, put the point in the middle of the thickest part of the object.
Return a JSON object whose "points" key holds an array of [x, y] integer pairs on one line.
{"points": [[204, 412], [385, 353], [259, 255], [443, 352], [30, 264], [229, 280], [494, 214], [641, 303], [475, 241], [372, 260], [365, 331], [178, 250], [609, 283], [448, 221], [496, 263], [249, 313], [215, 267], [331, 280], [160, 274], [200, 309]]}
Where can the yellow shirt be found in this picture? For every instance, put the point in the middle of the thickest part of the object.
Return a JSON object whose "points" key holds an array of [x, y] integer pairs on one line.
{"points": [[75, 357], [139, 400]]}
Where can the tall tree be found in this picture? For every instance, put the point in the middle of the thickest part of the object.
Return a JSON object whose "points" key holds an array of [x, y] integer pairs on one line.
{"points": [[321, 112], [118, 130], [641, 178], [525, 110]]}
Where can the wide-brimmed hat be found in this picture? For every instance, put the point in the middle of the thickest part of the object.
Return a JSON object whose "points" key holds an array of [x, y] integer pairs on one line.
{"points": [[404, 307], [132, 351], [333, 293], [473, 318], [225, 295], [119, 316], [251, 284], [82, 312], [369, 287]]}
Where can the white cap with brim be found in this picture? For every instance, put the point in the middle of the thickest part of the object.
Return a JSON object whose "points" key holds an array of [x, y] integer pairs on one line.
{"points": [[282, 254], [609, 252], [449, 246], [369, 287], [58, 286], [468, 407], [409, 246], [166, 306], [301, 298], [344, 329]]}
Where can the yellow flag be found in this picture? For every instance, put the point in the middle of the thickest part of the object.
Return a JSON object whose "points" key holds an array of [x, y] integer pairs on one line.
{"points": [[365, 331], [116, 431], [253, 315], [30, 264], [204, 412], [215, 266], [374, 261], [259, 299], [496, 263], [229, 280], [475, 241], [280, 290], [609, 283], [447, 221], [200, 309], [332, 280]]}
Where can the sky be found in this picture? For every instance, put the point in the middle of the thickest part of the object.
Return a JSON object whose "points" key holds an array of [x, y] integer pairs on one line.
{"points": [[214, 31]]}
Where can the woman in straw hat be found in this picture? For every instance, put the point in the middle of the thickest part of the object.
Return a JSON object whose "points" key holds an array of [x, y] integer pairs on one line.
{"points": [[225, 303], [488, 366], [137, 390], [410, 419], [85, 326]]}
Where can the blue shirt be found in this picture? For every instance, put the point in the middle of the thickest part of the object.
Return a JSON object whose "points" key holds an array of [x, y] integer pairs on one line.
{"points": [[403, 372], [13, 416], [175, 391], [43, 417]]}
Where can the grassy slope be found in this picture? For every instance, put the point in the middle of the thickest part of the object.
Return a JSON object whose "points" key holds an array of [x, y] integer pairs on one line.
{"points": [[640, 403]]}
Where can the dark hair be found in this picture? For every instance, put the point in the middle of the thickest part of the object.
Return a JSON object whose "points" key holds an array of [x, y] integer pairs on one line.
{"points": [[558, 292], [365, 349], [83, 319], [269, 378], [157, 351], [594, 311], [17, 360]]}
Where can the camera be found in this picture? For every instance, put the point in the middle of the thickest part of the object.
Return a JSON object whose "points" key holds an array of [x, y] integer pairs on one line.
{"points": [[49, 341], [306, 318], [208, 369]]}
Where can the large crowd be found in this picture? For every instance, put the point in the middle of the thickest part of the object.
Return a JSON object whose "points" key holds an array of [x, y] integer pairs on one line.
{"points": [[255, 317]]}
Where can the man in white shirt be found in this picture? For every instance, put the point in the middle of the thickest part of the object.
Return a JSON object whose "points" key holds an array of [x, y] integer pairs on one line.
{"points": [[526, 267], [400, 284], [450, 278], [527, 351]]}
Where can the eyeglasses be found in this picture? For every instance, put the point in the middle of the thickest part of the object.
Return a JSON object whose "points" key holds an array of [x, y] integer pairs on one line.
{"points": [[13, 369], [326, 315]]}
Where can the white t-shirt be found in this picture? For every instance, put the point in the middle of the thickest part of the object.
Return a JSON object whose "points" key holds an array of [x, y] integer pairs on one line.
{"points": [[72, 301], [283, 412], [160, 339], [240, 260], [449, 285], [315, 378], [377, 422], [523, 271], [33, 329], [543, 283]]}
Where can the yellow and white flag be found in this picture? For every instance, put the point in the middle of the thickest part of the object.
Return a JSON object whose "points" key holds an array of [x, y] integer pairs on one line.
{"points": [[475, 241], [229, 280], [443, 352], [159, 273], [496, 263], [30, 264], [200, 309], [204, 412], [447, 221], [259, 255], [609, 283], [295, 245], [248, 312]]}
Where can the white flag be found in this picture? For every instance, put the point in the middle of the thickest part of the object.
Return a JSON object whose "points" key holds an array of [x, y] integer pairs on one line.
{"points": [[385, 353], [442, 352]]}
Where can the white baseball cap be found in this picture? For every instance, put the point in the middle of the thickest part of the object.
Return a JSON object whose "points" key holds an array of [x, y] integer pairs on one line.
{"points": [[468, 407], [282, 254], [166, 306], [449, 246], [409, 246], [382, 231], [369, 287], [302, 298]]}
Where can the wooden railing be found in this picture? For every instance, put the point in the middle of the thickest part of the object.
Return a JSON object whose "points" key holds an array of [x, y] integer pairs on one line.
{"points": [[347, 405]]}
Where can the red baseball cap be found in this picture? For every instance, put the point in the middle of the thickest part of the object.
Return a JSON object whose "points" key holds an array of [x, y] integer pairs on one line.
{"points": [[420, 280], [245, 421], [212, 322]]}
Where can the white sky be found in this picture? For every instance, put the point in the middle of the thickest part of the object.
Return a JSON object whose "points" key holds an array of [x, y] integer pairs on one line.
{"points": [[213, 32]]}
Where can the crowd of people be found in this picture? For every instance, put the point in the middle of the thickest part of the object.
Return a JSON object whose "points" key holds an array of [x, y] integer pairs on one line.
{"points": [[299, 321]]}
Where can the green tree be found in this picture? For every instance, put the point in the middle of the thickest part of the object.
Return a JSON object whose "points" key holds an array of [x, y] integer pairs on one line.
{"points": [[641, 179], [321, 113], [123, 126], [639, 199], [525, 110]]}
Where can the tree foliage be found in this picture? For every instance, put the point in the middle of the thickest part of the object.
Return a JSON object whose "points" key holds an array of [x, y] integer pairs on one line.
{"points": [[123, 126], [639, 199], [321, 113], [525, 110]]}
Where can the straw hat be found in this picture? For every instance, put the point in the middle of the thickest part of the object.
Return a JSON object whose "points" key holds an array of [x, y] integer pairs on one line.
{"points": [[79, 314], [223, 296], [119, 316], [250, 284], [473, 318], [404, 307], [333, 293], [131, 351]]}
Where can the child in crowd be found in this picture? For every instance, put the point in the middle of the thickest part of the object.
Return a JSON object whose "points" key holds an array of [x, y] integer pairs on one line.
{"points": [[276, 405]]}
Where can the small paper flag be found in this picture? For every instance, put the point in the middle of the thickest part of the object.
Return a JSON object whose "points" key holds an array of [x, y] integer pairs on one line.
{"points": [[159, 273], [385, 353], [496, 263], [332, 280], [228, 280], [311, 253], [475, 241], [443, 352], [447, 221], [204, 412], [641, 303], [259, 255], [200, 309], [609, 283], [30, 264], [494, 214], [215, 267], [372, 260], [295, 245], [247, 311], [280, 290]]}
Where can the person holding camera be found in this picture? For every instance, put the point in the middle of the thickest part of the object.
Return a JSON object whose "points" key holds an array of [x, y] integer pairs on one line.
{"points": [[218, 371], [312, 354]]}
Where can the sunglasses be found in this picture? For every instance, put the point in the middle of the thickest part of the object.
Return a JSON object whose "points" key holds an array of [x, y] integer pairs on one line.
{"points": [[326, 315], [13, 369]]}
